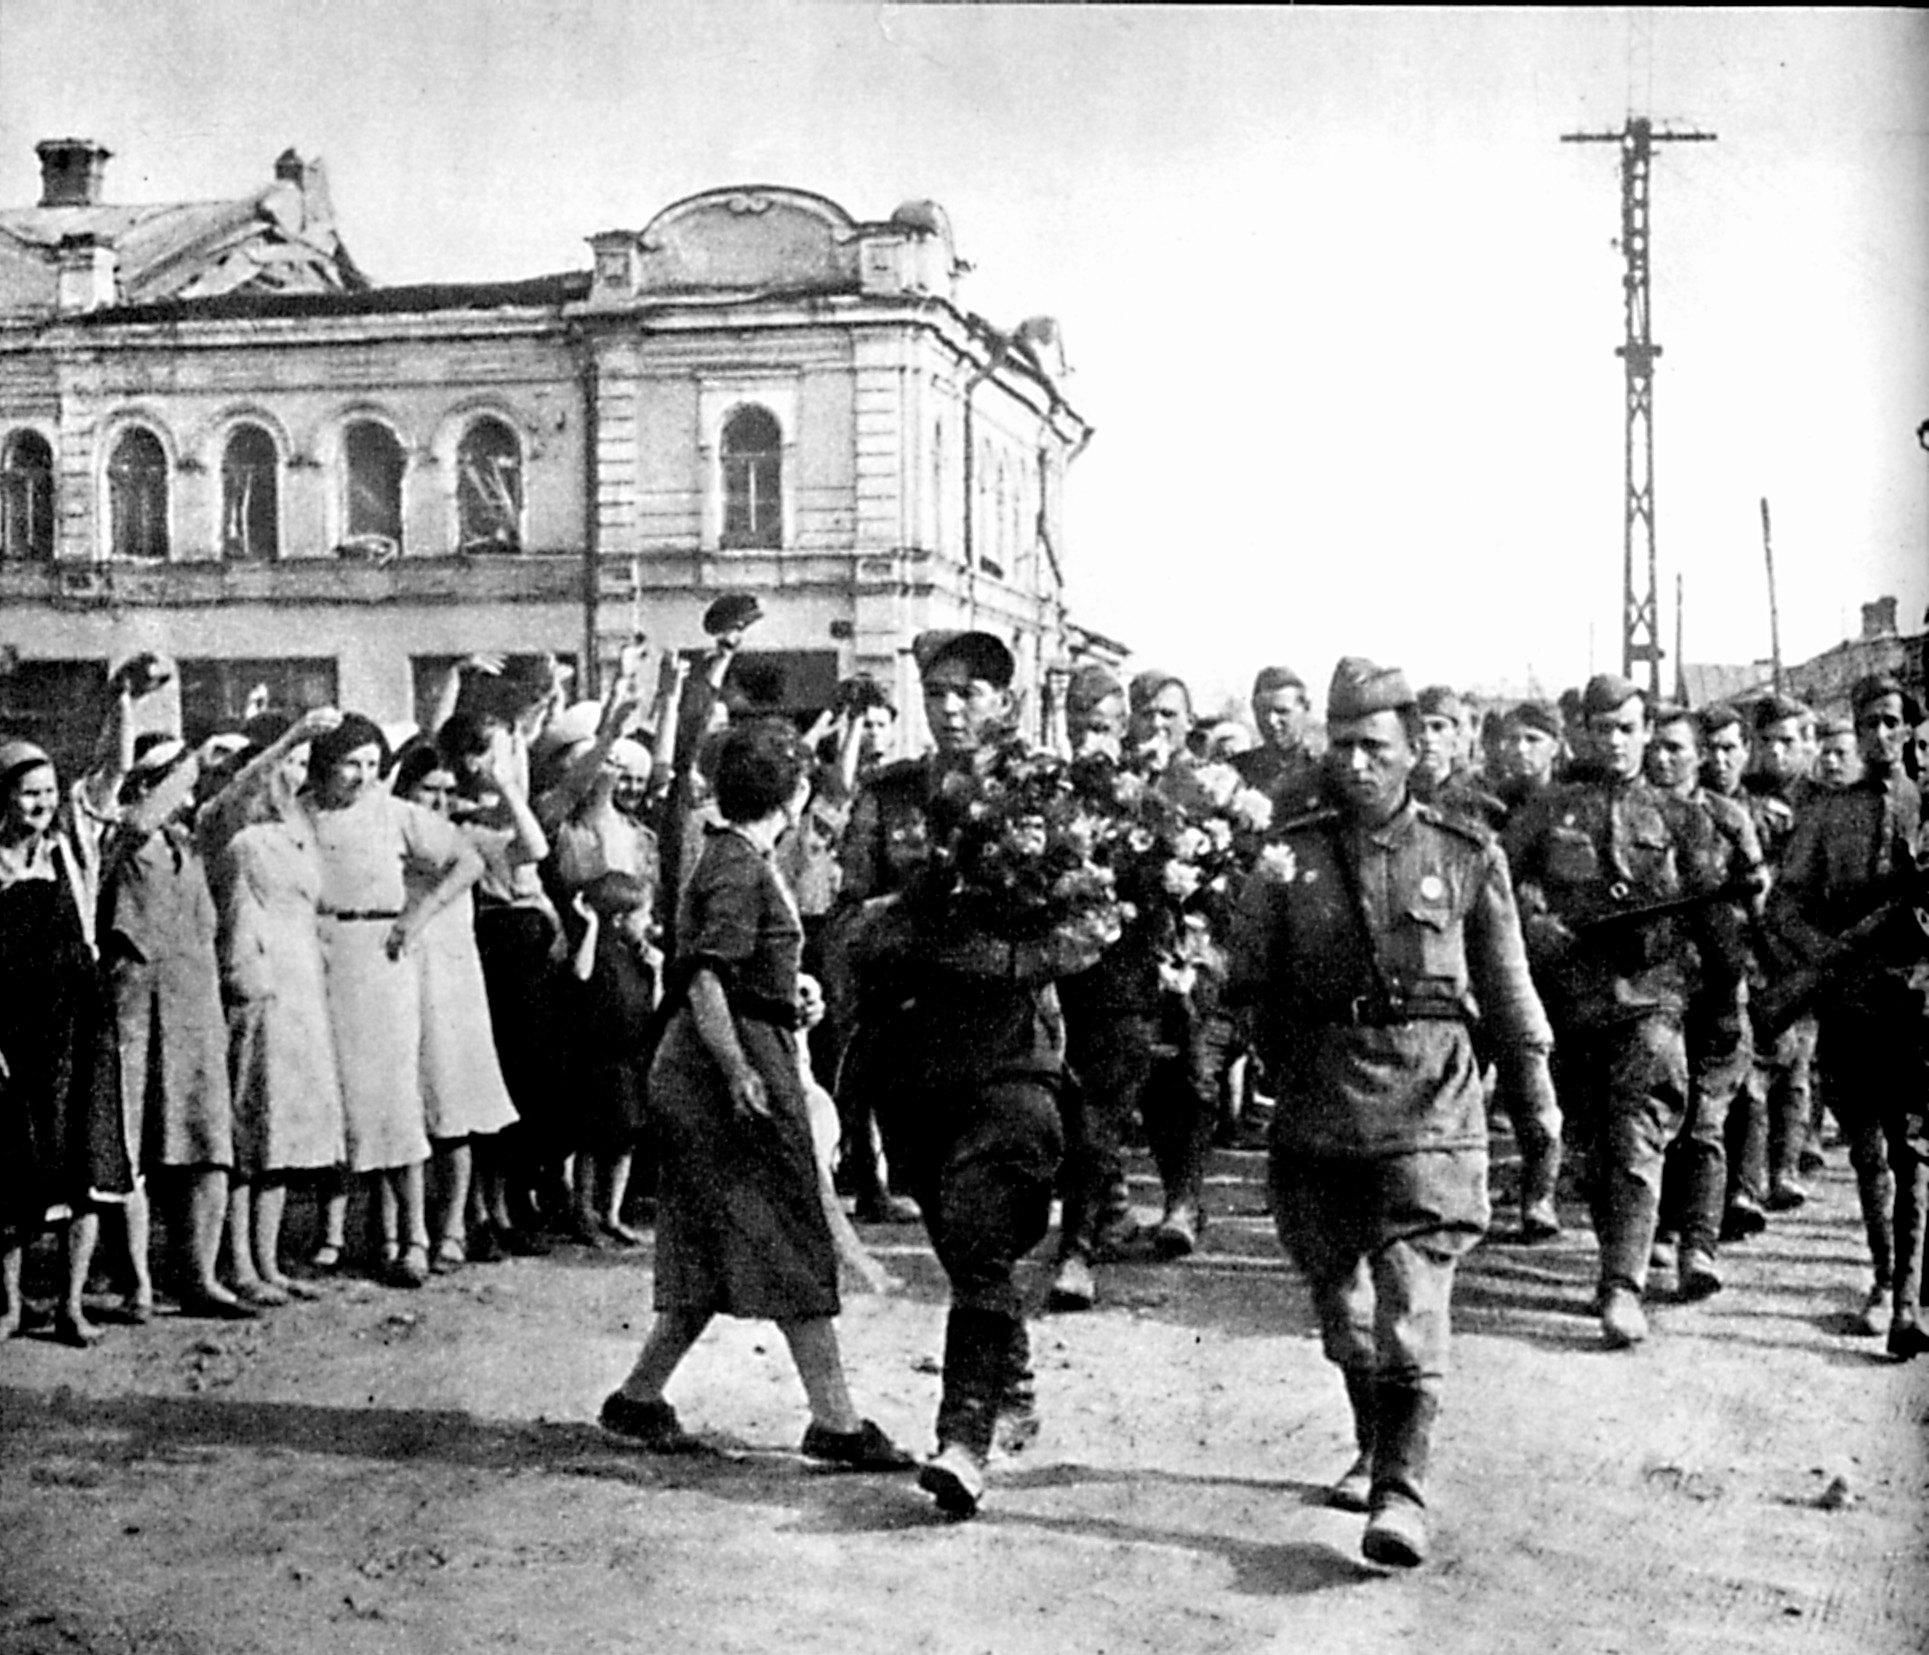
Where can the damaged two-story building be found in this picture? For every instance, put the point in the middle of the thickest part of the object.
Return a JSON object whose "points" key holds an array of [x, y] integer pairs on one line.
{"points": [[219, 439]]}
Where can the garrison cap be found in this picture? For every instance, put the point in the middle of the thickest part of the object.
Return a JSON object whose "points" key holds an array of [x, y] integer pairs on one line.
{"points": [[983, 655], [1148, 685], [1360, 688], [1608, 692], [1439, 701], [1538, 715], [1269, 679], [1091, 684], [732, 613], [1772, 709], [1833, 724]]}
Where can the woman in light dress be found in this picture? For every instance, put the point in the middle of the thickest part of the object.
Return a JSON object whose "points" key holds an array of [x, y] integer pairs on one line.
{"points": [[463, 1094], [369, 925]]}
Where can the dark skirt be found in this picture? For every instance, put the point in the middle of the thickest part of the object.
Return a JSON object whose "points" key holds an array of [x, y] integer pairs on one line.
{"points": [[61, 1136], [740, 1225]]}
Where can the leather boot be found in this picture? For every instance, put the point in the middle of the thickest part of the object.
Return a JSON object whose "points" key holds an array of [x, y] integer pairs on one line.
{"points": [[1396, 1529], [1017, 1427], [1627, 1214], [1540, 1175], [977, 1351], [1875, 1190], [1354, 1490], [1911, 1226]]}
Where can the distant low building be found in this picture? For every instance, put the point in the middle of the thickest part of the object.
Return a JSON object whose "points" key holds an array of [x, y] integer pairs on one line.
{"points": [[219, 439], [1825, 681]]}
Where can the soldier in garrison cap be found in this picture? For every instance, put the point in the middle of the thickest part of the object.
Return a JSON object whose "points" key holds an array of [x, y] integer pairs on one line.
{"points": [[1442, 778], [1281, 766], [1095, 712], [1366, 944], [1533, 741], [1838, 755], [1588, 858], [1858, 852]]}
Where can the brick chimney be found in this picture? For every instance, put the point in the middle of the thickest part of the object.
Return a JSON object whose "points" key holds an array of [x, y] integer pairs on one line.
{"points": [[70, 171], [1879, 619]]}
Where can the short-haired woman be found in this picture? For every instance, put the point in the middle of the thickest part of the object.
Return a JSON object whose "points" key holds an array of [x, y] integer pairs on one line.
{"points": [[741, 1228]]}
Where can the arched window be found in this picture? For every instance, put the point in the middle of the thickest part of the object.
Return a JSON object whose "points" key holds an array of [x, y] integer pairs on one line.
{"points": [[250, 494], [27, 497], [137, 495], [374, 463], [488, 488], [753, 479]]}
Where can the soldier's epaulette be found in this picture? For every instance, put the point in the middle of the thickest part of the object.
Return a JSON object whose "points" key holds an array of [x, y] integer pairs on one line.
{"points": [[1325, 816], [1475, 833]]}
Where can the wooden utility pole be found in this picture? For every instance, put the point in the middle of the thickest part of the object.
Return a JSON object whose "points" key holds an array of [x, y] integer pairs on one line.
{"points": [[1640, 628], [1774, 613]]}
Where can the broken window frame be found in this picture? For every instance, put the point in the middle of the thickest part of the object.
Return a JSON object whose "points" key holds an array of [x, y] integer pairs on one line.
{"points": [[250, 495], [489, 487], [374, 485], [26, 497], [137, 497]]}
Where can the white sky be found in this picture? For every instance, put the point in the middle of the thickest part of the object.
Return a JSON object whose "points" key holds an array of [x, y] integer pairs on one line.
{"points": [[1340, 305]]}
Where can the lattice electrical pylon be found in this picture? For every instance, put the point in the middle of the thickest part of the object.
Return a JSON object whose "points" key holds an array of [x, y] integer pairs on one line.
{"points": [[1640, 625]]}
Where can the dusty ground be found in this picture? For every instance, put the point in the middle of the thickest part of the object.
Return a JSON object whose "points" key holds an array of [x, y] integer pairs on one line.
{"points": [[384, 1471]]}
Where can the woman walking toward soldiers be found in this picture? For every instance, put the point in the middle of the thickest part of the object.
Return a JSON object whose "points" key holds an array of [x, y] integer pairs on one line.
{"points": [[741, 1226]]}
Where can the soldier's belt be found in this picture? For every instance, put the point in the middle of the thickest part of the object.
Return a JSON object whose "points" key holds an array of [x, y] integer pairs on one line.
{"points": [[1380, 1011]]}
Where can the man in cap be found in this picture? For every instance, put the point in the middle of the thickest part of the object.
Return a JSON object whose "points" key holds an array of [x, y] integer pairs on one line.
{"points": [[1589, 858], [1442, 777], [967, 684], [1370, 938], [1096, 712], [1281, 766], [960, 1042], [1531, 740], [1850, 889]]}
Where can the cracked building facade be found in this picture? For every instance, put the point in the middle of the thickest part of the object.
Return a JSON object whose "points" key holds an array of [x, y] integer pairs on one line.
{"points": [[220, 439]]}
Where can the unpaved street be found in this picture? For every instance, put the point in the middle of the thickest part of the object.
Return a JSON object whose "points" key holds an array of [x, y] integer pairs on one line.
{"points": [[385, 1471]]}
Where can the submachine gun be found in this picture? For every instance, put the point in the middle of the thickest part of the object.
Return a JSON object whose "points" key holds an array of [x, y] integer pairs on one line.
{"points": [[1896, 924]]}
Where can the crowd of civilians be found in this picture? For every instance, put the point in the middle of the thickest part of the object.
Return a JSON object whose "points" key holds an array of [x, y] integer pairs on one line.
{"points": [[300, 959]]}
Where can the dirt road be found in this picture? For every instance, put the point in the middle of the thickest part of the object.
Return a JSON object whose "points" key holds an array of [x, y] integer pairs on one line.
{"points": [[389, 1471]]}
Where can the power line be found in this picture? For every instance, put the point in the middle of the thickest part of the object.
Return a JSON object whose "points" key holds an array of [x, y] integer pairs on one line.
{"points": [[1640, 638]]}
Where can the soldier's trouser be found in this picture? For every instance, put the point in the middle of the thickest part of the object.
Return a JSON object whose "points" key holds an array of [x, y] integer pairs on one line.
{"points": [[1112, 1055], [1630, 1081], [1182, 1104], [1719, 1056], [981, 1163], [1378, 1241], [1874, 1060], [1783, 1079]]}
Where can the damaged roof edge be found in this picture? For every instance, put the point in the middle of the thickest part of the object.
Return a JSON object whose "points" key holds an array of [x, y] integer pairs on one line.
{"points": [[534, 292]]}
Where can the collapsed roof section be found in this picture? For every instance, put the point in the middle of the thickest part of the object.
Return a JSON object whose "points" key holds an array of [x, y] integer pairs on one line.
{"points": [[73, 252]]}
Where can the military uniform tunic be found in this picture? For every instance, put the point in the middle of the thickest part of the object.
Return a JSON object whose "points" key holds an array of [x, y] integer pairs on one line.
{"points": [[1364, 983], [1601, 850]]}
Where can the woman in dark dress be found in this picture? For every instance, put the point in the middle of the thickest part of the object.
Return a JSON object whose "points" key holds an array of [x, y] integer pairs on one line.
{"points": [[741, 1228], [61, 1143]]}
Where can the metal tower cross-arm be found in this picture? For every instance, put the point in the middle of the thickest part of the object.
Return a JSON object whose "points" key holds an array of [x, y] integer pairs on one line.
{"points": [[1640, 628]]}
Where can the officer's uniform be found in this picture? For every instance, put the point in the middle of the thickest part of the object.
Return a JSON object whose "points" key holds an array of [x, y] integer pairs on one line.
{"points": [[1582, 852], [1873, 1041], [1366, 955]]}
